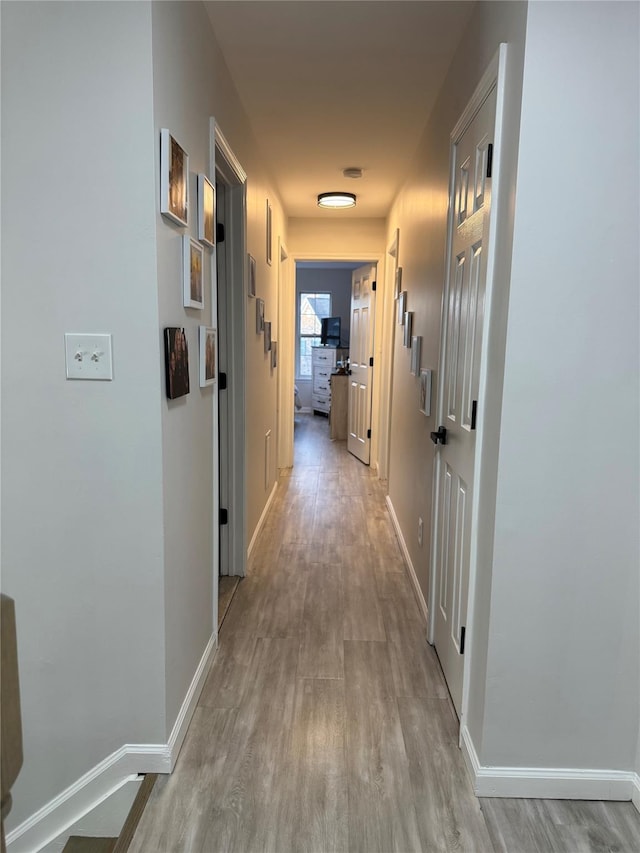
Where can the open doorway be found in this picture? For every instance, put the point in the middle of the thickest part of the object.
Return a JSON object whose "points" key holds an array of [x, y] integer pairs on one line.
{"points": [[231, 306], [323, 289]]}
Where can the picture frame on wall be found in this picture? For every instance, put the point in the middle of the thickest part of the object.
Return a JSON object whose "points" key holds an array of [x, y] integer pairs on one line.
{"points": [[267, 337], [274, 354], [176, 354], [192, 273], [398, 290], [402, 307], [251, 267], [425, 392], [259, 316], [174, 179], [206, 211], [207, 356], [269, 233], [416, 347], [408, 323]]}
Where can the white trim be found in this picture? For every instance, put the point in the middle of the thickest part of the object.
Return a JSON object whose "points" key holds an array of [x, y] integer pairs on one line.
{"points": [[86, 793], [227, 153], [422, 604], [635, 790], [549, 783], [177, 736], [103, 780], [262, 520]]}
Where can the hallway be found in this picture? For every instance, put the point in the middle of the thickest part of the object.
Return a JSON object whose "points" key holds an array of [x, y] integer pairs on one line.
{"points": [[325, 723]]}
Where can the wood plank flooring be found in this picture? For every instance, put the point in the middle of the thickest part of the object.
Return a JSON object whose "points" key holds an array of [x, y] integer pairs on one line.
{"points": [[325, 723]]}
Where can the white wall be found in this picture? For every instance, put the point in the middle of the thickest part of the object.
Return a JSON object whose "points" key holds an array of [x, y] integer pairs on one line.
{"points": [[337, 282], [563, 656], [82, 549], [107, 533], [420, 213], [341, 236]]}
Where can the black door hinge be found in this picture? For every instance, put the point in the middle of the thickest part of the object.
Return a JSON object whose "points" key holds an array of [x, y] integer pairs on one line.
{"points": [[368, 433], [224, 516], [222, 381], [374, 284], [474, 413], [489, 159], [219, 232], [463, 631], [371, 362]]}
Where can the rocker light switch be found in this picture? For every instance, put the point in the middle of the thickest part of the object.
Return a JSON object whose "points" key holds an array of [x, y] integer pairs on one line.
{"points": [[88, 356]]}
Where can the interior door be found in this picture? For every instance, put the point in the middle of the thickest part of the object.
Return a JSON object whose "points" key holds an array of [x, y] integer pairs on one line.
{"points": [[459, 380], [361, 361]]}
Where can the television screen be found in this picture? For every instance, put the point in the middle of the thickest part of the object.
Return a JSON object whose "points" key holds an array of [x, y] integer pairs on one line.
{"points": [[330, 332]]}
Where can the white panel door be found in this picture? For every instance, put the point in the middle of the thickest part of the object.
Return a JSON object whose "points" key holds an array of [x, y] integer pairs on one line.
{"points": [[360, 358], [459, 378]]}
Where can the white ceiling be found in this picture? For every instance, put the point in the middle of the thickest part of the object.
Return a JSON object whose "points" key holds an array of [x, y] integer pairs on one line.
{"points": [[332, 84]]}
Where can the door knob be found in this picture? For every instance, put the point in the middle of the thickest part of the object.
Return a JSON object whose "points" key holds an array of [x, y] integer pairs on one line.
{"points": [[439, 437]]}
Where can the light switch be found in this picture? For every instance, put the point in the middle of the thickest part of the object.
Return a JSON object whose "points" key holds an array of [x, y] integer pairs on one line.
{"points": [[88, 356]]}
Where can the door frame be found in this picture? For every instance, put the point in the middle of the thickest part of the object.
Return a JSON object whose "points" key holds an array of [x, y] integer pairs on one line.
{"points": [[490, 380], [226, 166], [385, 331], [290, 306], [286, 357]]}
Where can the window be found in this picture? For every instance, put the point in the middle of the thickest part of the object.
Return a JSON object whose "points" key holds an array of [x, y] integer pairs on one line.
{"points": [[312, 307]]}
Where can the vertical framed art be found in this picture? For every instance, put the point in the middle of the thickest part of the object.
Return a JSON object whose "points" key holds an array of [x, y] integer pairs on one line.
{"points": [[259, 316], [408, 323], [416, 347], [425, 392], [269, 233], [251, 269], [267, 337], [207, 356], [192, 273], [206, 211], [402, 307], [174, 179], [176, 355]]}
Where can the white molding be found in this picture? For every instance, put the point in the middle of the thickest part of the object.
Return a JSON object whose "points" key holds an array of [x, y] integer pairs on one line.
{"points": [[227, 152], [86, 793], [422, 604], [261, 520], [176, 738], [103, 780], [549, 783], [635, 790]]}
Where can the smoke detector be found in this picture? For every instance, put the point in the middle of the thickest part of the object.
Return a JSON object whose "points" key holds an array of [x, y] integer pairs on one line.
{"points": [[352, 172]]}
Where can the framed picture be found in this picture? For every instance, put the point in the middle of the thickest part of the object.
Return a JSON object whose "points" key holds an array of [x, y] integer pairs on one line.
{"points": [[425, 392], [192, 273], [274, 354], [259, 316], [207, 356], [252, 275], [416, 347], [176, 356], [408, 323], [267, 337], [402, 307], [174, 179], [398, 282], [206, 211], [269, 234]]}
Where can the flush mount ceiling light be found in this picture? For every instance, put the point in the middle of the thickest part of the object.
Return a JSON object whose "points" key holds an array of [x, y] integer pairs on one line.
{"points": [[336, 200]]}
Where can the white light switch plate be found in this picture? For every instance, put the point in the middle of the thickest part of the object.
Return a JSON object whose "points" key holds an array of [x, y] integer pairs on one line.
{"points": [[88, 356]]}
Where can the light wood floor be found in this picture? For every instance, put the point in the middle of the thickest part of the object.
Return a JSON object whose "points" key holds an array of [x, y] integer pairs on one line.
{"points": [[325, 723]]}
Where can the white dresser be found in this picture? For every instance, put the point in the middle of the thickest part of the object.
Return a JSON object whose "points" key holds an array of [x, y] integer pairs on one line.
{"points": [[323, 362]]}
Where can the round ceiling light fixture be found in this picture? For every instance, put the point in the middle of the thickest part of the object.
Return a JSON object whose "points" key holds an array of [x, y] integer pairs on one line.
{"points": [[336, 200]]}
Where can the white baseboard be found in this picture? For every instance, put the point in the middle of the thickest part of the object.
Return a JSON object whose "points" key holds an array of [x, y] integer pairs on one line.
{"points": [[635, 793], [422, 604], [261, 520], [109, 775], [549, 783], [86, 793], [176, 738]]}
